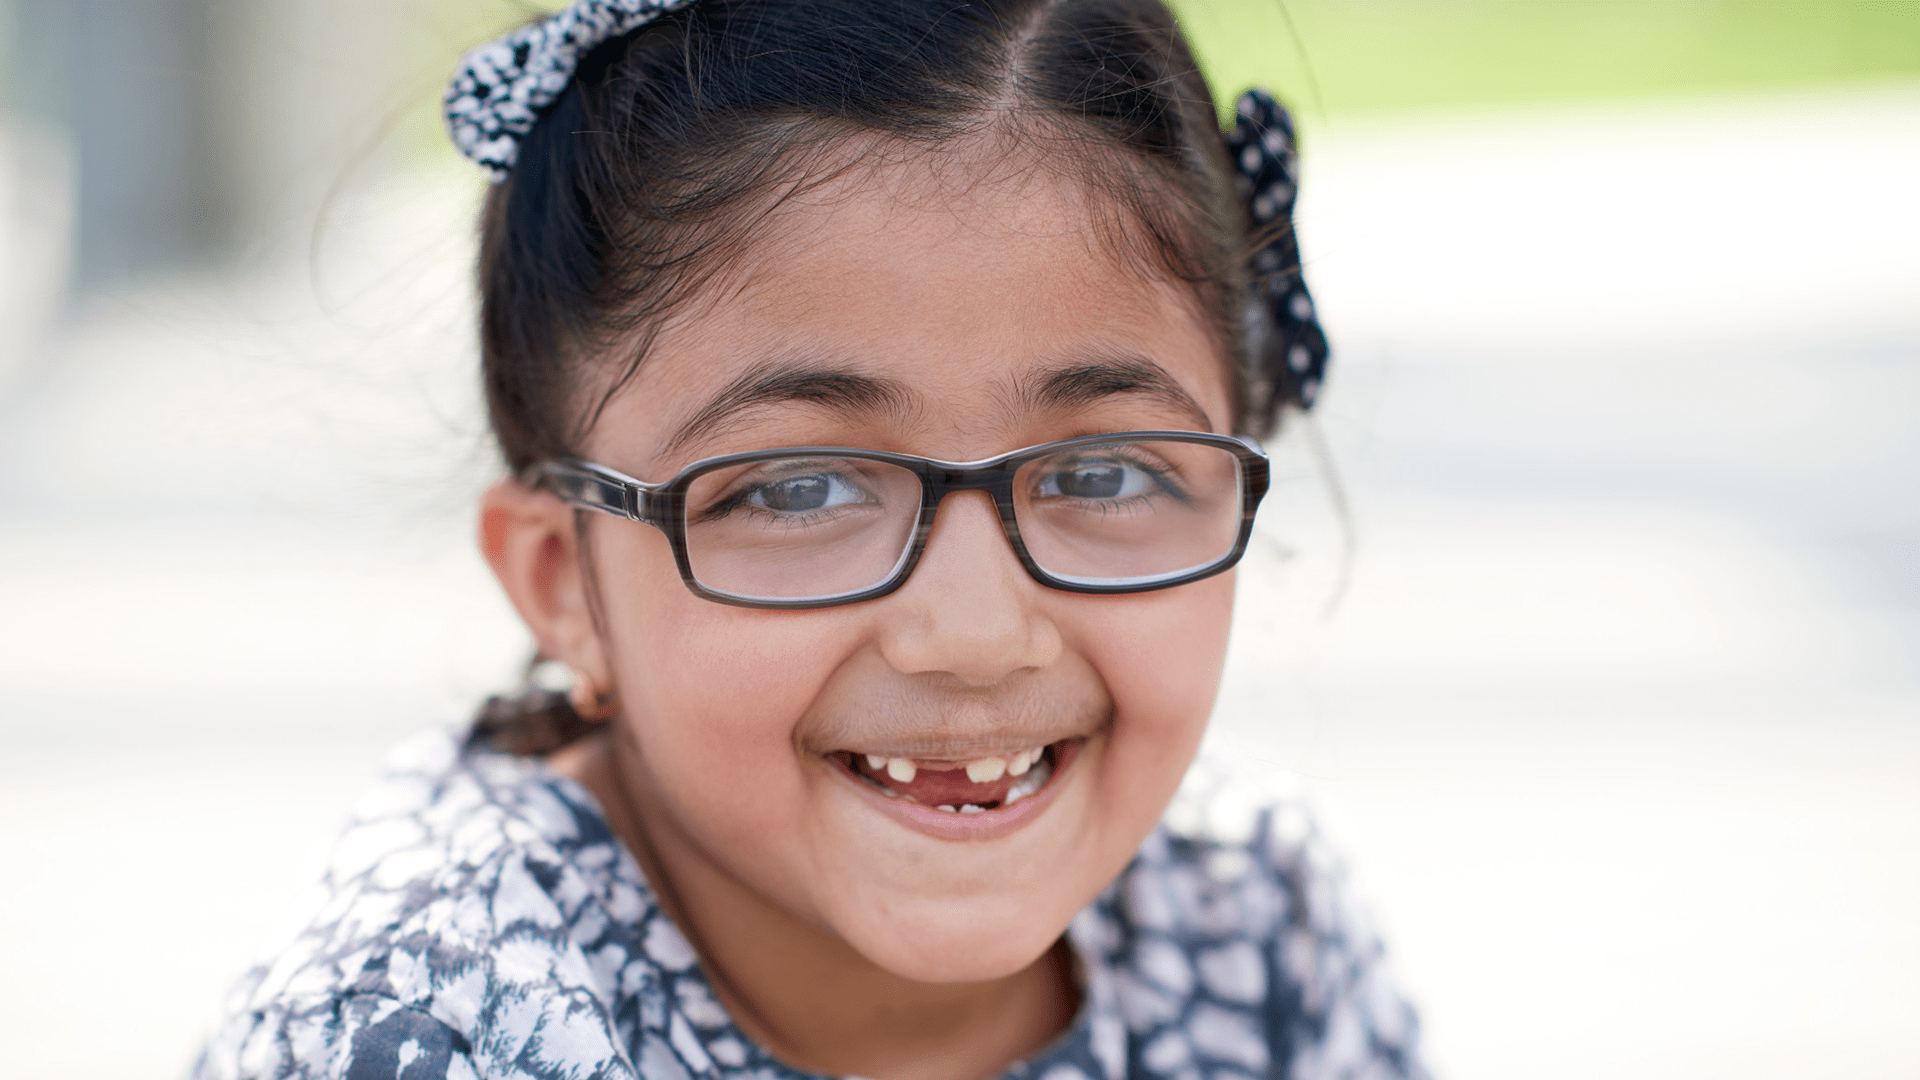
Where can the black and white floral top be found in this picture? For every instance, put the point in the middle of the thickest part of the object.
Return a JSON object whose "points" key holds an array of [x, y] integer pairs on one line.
{"points": [[479, 919]]}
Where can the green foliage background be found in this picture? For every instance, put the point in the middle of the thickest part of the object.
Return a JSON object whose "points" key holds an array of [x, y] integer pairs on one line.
{"points": [[1340, 57]]}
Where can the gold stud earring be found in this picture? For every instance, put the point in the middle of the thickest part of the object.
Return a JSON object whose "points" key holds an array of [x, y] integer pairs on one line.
{"points": [[555, 677], [589, 703]]}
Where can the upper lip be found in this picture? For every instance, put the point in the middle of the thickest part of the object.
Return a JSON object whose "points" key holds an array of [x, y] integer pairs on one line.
{"points": [[929, 748], [955, 729], [952, 754]]}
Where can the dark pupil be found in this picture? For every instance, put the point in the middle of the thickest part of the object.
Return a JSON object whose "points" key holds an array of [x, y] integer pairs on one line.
{"points": [[1093, 481], [801, 493]]}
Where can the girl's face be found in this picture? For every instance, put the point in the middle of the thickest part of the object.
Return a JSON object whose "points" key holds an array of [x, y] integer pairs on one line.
{"points": [[905, 310]]}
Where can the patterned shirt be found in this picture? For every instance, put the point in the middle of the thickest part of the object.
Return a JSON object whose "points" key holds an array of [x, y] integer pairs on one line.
{"points": [[478, 918]]}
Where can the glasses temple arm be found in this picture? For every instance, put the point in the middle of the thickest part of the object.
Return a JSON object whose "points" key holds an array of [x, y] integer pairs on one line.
{"points": [[593, 487]]}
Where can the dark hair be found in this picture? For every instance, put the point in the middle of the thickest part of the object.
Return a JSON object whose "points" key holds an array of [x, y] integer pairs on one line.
{"points": [[671, 142]]}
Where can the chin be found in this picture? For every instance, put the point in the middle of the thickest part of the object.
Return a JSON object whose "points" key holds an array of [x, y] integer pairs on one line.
{"points": [[958, 945]]}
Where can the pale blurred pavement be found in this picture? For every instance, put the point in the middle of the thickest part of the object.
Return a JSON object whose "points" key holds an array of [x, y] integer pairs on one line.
{"points": [[1618, 720]]}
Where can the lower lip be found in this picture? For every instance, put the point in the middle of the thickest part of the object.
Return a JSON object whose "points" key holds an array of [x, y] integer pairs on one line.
{"points": [[986, 825]]}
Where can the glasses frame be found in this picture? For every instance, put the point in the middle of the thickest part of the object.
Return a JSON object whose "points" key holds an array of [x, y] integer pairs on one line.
{"points": [[589, 486]]}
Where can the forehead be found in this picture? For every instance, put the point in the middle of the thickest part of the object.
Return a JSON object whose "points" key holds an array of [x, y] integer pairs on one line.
{"points": [[924, 306]]}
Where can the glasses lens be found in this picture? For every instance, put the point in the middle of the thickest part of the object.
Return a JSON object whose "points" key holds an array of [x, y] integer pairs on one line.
{"points": [[800, 528], [1129, 513]]}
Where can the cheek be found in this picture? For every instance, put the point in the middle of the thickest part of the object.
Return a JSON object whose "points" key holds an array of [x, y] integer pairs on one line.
{"points": [[1162, 657], [710, 693], [1161, 661]]}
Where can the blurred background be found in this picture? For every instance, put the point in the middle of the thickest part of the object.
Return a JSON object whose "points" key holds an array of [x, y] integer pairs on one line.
{"points": [[1610, 688]]}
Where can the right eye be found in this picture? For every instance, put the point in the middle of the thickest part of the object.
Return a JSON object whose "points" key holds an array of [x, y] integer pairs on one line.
{"points": [[803, 494]]}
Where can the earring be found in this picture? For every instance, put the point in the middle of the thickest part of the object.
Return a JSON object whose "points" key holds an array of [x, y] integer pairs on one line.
{"points": [[589, 703], [555, 677]]}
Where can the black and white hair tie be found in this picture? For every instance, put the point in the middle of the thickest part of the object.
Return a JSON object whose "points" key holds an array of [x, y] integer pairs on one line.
{"points": [[502, 87], [1262, 146]]}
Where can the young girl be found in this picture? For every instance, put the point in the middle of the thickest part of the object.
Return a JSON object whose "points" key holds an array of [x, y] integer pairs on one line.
{"points": [[872, 376]]}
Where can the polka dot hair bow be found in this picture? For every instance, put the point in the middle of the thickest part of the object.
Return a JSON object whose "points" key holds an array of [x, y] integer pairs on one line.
{"points": [[502, 87], [1262, 146]]}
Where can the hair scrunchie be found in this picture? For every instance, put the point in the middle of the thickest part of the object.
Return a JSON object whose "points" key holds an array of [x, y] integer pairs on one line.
{"points": [[502, 87], [1262, 146]]}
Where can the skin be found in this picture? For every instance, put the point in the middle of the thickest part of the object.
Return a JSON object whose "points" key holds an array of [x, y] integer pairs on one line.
{"points": [[842, 939]]}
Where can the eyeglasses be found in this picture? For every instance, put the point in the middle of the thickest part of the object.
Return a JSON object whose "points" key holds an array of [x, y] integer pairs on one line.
{"points": [[815, 526]]}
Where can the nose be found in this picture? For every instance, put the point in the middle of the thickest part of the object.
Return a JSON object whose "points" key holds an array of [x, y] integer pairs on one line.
{"points": [[969, 609]]}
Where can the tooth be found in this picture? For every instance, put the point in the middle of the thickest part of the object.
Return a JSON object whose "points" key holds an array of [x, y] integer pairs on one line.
{"points": [[948, 809], [1028, 784], [1021, 762], [986, 770], [970, 808], [876, 762], [901, 769]]}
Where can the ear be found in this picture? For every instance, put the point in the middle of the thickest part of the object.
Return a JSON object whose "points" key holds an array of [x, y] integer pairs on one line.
{"points": [[528, 538]]}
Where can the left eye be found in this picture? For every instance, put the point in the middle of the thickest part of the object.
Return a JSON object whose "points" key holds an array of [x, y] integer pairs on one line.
{"points": [[802, 494], [1097, 479]]}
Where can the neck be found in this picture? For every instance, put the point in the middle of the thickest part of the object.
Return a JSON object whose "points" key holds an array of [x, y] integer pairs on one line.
{"points": [[801, 991]]}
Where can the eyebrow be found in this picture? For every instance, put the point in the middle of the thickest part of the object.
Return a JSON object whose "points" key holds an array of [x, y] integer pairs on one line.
{"points": [[851, 393], [839, 390], [1083, 383]]}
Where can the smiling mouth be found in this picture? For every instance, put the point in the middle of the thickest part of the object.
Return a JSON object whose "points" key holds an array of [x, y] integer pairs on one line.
{"points": [[958, 787]]}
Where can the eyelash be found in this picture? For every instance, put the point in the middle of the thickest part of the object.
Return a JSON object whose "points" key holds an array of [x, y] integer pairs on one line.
{"points": [[1164, 476], [739, 500]]}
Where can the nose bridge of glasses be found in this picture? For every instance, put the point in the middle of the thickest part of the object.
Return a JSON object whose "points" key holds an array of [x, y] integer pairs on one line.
{"points": [[994, 481], [944, 480], [943, 517]]}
